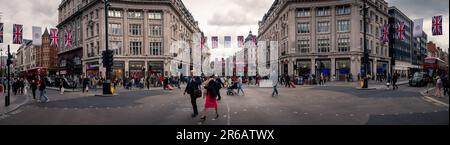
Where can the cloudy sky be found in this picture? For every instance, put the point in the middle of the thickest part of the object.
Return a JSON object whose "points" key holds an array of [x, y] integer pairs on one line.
{"points": [[216, 17]]}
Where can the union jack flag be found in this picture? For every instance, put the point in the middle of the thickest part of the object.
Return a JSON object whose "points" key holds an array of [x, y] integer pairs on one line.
{"points": [[68, 39], [202, 42], [17, 34], [215, 41], [385, 33], [54, 37], [240, 41], [1, 32], [437, 25], [401, 31]]}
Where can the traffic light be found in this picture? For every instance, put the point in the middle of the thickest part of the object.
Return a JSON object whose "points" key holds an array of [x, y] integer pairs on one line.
{"points": [[110, 58], [9, 60]]}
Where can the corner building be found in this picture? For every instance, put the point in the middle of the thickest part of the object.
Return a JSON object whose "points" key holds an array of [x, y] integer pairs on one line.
{"points": [[140, 34], [326, 36]]}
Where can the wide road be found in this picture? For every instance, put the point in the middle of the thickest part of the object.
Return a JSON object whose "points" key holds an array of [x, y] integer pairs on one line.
{"points": [[335, 104]]}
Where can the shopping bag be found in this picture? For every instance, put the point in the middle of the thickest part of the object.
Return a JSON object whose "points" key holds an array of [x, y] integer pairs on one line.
{"points": [[169, 87]]}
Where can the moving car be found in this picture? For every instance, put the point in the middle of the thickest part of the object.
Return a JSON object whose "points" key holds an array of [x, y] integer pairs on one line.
{"points": [[419, 79]]}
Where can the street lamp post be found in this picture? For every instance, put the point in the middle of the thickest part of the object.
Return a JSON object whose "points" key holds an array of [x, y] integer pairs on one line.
{"points": [[366, 53], [107, 82], [7, 101]]}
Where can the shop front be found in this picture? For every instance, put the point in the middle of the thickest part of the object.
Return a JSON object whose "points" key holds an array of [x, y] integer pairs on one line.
{"points": [[304, 68], [382, 69], [136, 69], [92, 69], [155, 67], [70, 64], [342, 69], [323, 67], [118, 70]]}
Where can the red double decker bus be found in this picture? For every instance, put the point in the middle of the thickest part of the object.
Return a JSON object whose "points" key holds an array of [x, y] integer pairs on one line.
{"points": [[434, 66], [34, 73]]}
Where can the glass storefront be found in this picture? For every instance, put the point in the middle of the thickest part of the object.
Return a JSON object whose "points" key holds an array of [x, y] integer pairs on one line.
{"points": [[304, 67], [324, 67], [342, 69], [118, 70], [92, 69], [136, 69], [155, 68]]}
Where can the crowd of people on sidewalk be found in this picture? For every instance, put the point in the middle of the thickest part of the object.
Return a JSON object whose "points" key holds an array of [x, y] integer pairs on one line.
{"points": [[20, 87]]}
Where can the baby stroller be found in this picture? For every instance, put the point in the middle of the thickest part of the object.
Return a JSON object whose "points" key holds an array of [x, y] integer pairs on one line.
{"points": [[230, 90]]}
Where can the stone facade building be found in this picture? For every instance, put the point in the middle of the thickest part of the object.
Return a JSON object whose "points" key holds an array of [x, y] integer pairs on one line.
{"points": [[326, 37], [140, 32]]}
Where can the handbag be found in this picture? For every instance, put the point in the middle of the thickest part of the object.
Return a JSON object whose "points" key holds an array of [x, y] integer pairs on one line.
{"points": [[198, 93]]}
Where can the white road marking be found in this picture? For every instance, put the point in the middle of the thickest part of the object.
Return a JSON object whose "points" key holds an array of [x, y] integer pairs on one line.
{"points": [[228, 114], [437, 101]]}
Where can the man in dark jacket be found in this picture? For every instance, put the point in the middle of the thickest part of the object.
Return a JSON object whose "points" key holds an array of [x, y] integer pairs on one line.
{"points": [[33, 88], [394, 81], [192, 86], [85, 83], [445, 85], [220, 86], [43, 94]]}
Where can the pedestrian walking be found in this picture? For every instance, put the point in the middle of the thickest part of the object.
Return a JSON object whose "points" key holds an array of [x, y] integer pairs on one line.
{"points": [[147, 83], [220, 86], [240, 86], [210, 96], [274, 78], [194, 91], [43, 94], [394, 81], [389, 80], [445, 85], [61, 86], [33, 88], [438, 87]]}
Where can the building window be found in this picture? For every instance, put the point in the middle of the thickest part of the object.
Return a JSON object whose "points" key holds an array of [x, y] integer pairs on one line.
{"points": [[343, 26], [115, 13], [323, 27], [341, 10], [303, 46], [304, 12], [134, 14], [115, 29], [155, 48], [323, 45], [303, 28], [91, 29], [343, 44], [155, 15], [324, 11], [136, 47], [116, 47], [155, 30], [135, 29], [97, 29]]}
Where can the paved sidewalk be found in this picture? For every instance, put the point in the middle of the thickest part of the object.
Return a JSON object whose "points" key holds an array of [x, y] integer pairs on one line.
{"points": [[15, 103]]}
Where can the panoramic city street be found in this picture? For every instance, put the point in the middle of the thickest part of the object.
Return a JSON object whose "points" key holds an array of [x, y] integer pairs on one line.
{"points": [[299, 62], [337, 103]]}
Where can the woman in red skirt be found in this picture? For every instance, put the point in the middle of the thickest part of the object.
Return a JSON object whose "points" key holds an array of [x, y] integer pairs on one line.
{"points": [[210, 96]]}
